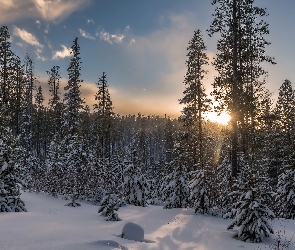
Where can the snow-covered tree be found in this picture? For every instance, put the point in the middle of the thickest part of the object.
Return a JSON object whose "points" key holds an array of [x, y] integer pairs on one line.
{"points": [[223, 186], [6, 71], [72, 96], [109, 205], [249, 210], [55, 169], [103, 116], [175, 188], [286, 190], [285, 114], [10, 169], [75, 159], [252, 216], [135, 186], [199, 192]]}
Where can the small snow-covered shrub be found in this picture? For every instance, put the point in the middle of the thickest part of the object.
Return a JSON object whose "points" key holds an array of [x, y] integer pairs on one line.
{"points": [[109, 205], [73, 203]]}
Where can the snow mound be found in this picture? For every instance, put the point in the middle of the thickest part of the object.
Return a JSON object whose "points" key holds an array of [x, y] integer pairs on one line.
{"points": [[132, 231], [109, 244]]}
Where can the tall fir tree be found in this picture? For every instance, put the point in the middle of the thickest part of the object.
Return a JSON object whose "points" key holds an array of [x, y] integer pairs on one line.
{"points": [[195, 99], [72, 97], [6, 70], [55, 105], [240, 52], [10, 171], [104, 117]]}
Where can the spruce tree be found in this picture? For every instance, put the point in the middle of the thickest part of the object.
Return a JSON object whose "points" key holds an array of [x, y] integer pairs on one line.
{"points": [[175, 189], [249, 212], [199, 192], [104, 115], [285, 114], [109, 205], [73, 155], [135, 187], [195, 99], [55, 105], [240, 53], [72, 97], [286, 190], [10, 172], [6, 70]]}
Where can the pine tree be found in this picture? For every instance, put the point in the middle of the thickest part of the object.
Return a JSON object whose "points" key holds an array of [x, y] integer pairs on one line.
{"points": [[55, 105], [240, 52], [55, 169], [72, 97], [169, 140], [199, 192], [195, 99], [26, 121], [135, 186], [175, 189], [10, 172], [286, 190], [39, 122], [6, 71], [249, 212], [73, 154], [109, 205], [104, 115], [17, 95], [285, 113]]}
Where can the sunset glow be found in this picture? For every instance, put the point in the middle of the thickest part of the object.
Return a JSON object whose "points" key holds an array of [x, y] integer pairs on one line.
{"points": [[223, 118]]}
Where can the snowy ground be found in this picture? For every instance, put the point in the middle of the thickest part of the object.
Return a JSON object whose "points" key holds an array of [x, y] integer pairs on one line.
{"points": [[52, 226]]}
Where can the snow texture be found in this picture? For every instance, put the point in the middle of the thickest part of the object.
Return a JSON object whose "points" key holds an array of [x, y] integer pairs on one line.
{"points": [[50, 225]]}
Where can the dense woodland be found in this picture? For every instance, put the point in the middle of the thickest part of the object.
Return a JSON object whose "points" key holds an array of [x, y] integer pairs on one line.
{"points": [[68, 149]]}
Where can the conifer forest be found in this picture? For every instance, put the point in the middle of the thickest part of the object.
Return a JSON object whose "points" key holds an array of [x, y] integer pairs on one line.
{"points": [[244, 170]]}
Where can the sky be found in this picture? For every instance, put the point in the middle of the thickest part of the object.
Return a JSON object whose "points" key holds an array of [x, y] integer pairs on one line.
{"points": [[140, 45]]}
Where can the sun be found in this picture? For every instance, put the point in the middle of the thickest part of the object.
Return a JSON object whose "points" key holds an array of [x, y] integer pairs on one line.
{"points": [[223, 118]]}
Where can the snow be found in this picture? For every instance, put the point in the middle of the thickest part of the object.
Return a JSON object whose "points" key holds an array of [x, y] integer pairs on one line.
{"points": [[50, 225], [132, 231]]}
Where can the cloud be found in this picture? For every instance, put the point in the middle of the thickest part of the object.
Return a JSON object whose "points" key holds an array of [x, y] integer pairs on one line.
{"points": [[127, 28], [90, 21], [6, 3], [48, 10], [38, 54], [131, 41], [86, 35], [47, 29], [54, 9], [48, 42], [38, 24], [110, 38], [156, 62], [65, 52], [26, 37]]}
